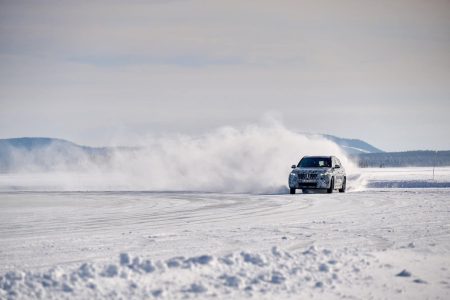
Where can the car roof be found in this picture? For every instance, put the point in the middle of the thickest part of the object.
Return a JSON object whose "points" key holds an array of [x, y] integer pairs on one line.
{"points": [[319, 156]]}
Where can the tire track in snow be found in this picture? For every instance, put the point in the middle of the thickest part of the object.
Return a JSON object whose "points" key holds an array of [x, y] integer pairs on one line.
{"points": [[63, 227]]}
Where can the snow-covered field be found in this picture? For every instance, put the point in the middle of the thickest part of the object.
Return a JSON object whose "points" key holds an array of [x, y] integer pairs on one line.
{"points": [[370, 243], [404, 177]]}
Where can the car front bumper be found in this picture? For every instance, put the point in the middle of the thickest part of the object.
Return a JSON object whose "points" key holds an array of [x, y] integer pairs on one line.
{"points": [[321, 182]]}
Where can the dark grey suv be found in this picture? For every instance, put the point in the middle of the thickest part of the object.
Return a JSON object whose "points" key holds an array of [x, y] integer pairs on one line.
{"points": [[318, 172]]}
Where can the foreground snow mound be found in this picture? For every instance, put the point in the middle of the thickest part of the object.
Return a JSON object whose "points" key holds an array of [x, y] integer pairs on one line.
{"points": [[237, 275]]}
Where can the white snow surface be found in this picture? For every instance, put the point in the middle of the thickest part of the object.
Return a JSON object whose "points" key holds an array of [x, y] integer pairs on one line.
{"points": [[376, 243], [423, 174]]}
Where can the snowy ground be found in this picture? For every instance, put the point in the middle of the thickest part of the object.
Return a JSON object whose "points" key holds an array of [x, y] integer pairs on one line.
{"points": [[404, 177], [373, 243]]}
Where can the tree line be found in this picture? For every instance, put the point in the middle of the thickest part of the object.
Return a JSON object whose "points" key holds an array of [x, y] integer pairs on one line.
{"points": [[403, 159]]}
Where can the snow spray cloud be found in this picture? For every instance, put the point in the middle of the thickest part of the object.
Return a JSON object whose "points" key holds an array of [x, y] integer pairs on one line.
{"points": [[253, 159]]}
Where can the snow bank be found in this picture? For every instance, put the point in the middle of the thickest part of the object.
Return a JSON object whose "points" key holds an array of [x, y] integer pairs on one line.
{"points": [[236, 275]]}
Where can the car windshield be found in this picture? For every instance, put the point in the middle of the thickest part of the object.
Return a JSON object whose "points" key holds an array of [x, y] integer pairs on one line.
{"points": [[315, 162]]}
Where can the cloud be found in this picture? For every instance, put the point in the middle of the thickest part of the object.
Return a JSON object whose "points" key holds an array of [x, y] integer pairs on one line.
{"points": [[194, 64]]}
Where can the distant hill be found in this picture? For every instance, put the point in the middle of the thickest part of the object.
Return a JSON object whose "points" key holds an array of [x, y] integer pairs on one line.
{"points": [[353, 146], [27, 154], [36, 143], [368, 156], [49, 154]]}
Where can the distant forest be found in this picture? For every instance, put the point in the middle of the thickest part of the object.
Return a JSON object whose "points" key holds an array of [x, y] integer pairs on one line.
{"points": [[403, 159]]}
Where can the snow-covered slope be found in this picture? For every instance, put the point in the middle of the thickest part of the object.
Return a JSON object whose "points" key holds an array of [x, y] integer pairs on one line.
{"points": [[353, 146], [47, 154]]}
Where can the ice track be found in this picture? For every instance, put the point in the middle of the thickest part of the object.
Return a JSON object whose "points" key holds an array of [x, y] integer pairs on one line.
{"points": [[371, 235]]}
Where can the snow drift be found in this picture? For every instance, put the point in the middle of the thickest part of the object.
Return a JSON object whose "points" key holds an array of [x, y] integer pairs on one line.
{"points": [[235, 275]]}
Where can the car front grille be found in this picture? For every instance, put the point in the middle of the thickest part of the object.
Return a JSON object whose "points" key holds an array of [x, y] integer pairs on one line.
{"points": [[307, 176]]}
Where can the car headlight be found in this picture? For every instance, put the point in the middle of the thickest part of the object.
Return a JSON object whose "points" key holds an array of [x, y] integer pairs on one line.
{"points": [[293, 174]]}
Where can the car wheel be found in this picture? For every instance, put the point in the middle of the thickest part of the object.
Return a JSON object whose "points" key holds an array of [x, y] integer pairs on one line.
{"points": [[292, 191], [331, 189], [344, 185]]}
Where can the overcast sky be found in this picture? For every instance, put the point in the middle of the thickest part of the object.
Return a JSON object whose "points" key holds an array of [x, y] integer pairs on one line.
{"points": [[89, 71]]}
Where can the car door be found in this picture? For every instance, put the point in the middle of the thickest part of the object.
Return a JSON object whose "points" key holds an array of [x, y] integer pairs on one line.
{"points": [[338, 172], [341, 171]]}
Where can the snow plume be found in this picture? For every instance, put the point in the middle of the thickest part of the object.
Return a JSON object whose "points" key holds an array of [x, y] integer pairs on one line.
{"points": [[255, 159]]}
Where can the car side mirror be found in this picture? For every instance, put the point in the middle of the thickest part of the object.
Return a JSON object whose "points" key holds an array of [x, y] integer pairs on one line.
{"points": [[337, 166], [293, 166]]}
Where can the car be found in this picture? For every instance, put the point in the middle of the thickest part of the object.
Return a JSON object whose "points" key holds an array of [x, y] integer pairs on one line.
{"points": [[318, 172]]}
